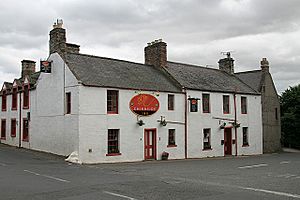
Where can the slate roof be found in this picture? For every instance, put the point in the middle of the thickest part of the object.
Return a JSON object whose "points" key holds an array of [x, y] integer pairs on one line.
{"points": [[207, 79], [32, 79], [252, 78], [107, 72]]}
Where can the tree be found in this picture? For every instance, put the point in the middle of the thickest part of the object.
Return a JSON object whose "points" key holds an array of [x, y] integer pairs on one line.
{"points": [[290, 117]]}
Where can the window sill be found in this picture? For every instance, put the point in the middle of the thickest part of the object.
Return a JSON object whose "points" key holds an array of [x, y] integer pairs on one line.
{"points": [[172, 145], [226, 113], [244, 113], [3, 138], [245, 145], [112, 113], [13, 136], [3, 110], [113, 154], [25, 140], [27, 107], [14, 109], [205, 112], [208, 149]]}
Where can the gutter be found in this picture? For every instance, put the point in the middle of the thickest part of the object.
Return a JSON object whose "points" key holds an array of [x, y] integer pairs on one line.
{"points": [[235, 121], [20, 119], [185, 124]]}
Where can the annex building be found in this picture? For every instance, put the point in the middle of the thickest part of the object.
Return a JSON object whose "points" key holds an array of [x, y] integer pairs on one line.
{"points": [[109, 110]]}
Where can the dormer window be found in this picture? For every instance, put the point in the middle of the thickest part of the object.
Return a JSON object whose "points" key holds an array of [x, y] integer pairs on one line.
{"points": [[26, 97]]}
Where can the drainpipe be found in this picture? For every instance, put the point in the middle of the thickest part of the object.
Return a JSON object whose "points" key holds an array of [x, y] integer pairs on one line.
{"points": [[235, 122], [20, 118], [185, 124]]}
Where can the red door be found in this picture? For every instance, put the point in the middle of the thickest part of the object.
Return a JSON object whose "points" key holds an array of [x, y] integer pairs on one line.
{"points": [[228, 141], [150, 144]]}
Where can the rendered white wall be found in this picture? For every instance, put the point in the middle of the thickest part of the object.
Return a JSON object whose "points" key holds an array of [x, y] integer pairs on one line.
{"points": [[94, 124], [51, 129], [197, 121]]}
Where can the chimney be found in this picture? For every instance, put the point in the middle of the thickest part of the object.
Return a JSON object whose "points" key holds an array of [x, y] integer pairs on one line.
{"points": [[28, 68], [156, 53], [73, 48], [57, 41], [264, 64], [227, 64]]}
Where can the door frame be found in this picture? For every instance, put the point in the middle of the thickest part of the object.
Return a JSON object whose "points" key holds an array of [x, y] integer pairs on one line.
{"points": [[225, 141], [154, 142]]}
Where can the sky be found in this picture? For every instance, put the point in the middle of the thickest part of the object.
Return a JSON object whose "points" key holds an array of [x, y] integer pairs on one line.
{"points": [[196, 32]]}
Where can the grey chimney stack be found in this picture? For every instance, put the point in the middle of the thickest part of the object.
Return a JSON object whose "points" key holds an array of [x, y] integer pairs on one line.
{"points": [[28, 68], [156, 53], [227, 64], [58, 42], [264, 65]]}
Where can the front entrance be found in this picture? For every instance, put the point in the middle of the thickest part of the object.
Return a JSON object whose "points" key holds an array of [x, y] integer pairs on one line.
{"points": [[150, 144], [228, 141]]}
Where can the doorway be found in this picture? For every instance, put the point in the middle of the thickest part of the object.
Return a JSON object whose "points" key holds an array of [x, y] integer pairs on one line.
{"points": [[228, 141], [150, 144]]}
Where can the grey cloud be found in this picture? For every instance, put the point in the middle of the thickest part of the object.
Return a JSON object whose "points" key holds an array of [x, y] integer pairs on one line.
{"points": [[196, 31]]}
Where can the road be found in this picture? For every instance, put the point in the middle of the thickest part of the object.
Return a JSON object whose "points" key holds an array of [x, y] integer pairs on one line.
{"points": [[31, 175]]}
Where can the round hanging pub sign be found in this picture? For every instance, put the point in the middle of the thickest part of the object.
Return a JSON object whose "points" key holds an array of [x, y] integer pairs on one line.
{"points": [[144, 104]]}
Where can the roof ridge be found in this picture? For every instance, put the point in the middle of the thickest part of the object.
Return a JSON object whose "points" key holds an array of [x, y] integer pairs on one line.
{"points": [[193, 65], [249, 71], [115, 59]]}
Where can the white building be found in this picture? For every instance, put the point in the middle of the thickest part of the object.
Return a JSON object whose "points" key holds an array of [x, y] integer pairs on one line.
{"points": [[110, 110]]}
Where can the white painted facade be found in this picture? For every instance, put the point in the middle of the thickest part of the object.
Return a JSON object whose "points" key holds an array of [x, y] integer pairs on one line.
{"points": [[197, 121], [85, 130]]}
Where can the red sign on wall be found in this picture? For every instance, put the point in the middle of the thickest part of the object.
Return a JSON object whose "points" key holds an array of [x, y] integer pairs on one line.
{"points": [[144, 104]]}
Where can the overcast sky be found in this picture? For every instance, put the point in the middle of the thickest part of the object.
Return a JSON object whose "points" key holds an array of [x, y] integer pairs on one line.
{"points": [[196, 32]]}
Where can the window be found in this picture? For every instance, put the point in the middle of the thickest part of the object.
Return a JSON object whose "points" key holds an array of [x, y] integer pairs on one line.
{"points": [[113, 142], [4, 100], [13, 127], [205, 103], [245, 136], [206, 139], [170, 102], [26, 97], [194, 105], [171, 138], [3, 129], [25, 130], [244, 105], [276, 113], [112, 101], [68, 103], [226, 104], [14, 103]]}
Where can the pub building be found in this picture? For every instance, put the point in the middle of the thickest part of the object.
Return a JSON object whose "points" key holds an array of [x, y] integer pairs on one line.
{"points": [[103, 110]]}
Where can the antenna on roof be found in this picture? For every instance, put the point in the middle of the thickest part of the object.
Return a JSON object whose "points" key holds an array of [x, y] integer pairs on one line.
{"points": [[227, 53]]}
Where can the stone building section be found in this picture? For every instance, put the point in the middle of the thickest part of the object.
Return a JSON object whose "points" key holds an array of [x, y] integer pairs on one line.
{"points": [[261, 81]]}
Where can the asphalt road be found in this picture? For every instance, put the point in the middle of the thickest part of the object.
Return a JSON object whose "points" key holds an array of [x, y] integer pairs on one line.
{"points": [[33, 175]]}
